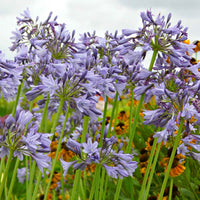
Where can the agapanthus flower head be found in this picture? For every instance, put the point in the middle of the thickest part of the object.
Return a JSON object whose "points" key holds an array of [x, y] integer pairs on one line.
{"points": [[168, 131], [114, 160], [10, 78], [24, 138], [159, 35]]}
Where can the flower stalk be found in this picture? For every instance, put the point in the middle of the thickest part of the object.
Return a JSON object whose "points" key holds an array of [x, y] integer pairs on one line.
{"points": [[176, 142]]}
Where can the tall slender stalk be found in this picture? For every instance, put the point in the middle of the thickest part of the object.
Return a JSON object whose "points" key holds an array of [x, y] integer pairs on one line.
{"points": [[133, 131], [105, 187], [83, 190], [171, 188], [17, 97], [119, 184], [37, 185], [11, 150], [75, 191], [142, 191], [62, 183], [152, 171], [78, 173], [103, 121], [62, 100], [2, 166], [33, 166], [13, 179], [113, 112], [94, 183], [176, 142], [5, 174], [52, 131], [103, 173], [58, 148]]}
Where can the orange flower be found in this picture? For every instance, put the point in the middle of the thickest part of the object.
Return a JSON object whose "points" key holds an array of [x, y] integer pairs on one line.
{"points": [[177, 166], [143, 160], [122, 116], [197, 48], [186, 41]]}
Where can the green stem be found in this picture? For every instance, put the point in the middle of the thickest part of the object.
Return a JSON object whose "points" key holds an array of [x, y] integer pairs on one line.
{"points": [[113, 112], [5, 189], [83, 138], [102, 134], [33, 166], [133, 130], [152, 169], [11, 151], [105, 187], [153, 59], [142, 191], [137, 114], [27, 179], [171, 188], [140, 105], [189, 184], [13, 179], [52, 131], [44, 116], [5, 174], [58, 148], [102, 183], [129, 179], [176, 142], [37, 186], [17, 97], [57, 115], [119, 184], [83, 195], [76, 185], [103, 122], [62, 183], [32, 174], [2, 166], [94, 183], [85, 128], [96, 195]]}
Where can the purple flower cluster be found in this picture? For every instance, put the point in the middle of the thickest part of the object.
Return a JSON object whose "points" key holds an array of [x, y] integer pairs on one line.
{"points": [[10, 78], [173, 81], [21, 135], [56, 66], [114, 160]]}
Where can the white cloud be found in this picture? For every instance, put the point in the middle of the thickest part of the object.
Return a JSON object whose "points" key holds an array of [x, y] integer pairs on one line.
{"points": [[99, 15]]}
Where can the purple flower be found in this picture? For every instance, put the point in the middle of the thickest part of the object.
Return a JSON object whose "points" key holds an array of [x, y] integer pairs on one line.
{"points": [[196, 156], [22, 119], [90, 147], [122, 164], [112, 171], [4, 151], [196, 104], [29, 143], [88, 107], [169, 129], [66, 165], [128, 32], [188, 111], [21, 174], [42, 160], [182, 149], [49, 85]]}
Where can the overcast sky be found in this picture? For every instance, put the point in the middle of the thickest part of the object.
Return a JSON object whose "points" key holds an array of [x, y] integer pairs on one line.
{"points": [[99, 15]]}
